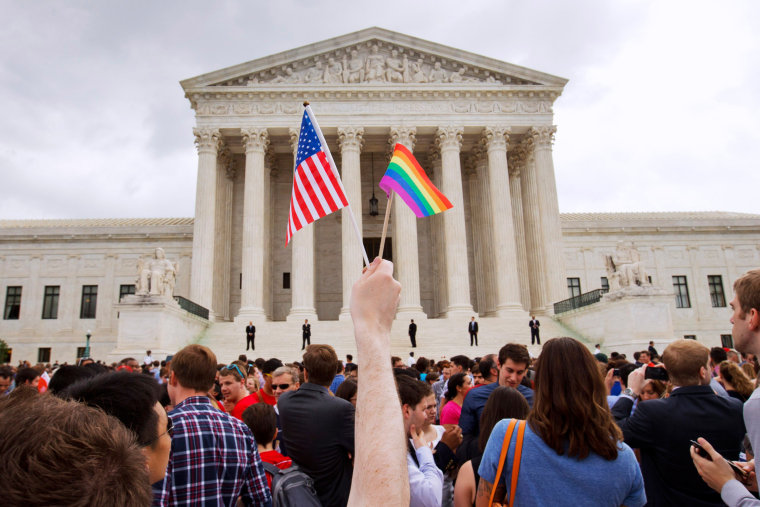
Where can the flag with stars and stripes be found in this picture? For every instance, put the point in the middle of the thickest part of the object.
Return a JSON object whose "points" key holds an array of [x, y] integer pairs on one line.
{"points": [[317, 189]]}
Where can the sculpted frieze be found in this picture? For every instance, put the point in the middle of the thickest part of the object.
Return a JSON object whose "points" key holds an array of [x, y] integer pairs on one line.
{"points": [[374, 62]]}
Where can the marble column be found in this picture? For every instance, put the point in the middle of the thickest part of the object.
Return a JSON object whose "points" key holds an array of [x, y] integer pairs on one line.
{"points": [[449, 140], [504, 253], [533, 235], [476, 224], [350, 140], [516, 159], [202, 270], [440, 300], [302, 264], [406, 254], [254, 218], [556, 283], [270, 174], [225, 175]]}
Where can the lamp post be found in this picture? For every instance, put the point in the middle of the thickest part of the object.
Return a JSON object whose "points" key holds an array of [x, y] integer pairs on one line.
{"points": [[87, 347]]}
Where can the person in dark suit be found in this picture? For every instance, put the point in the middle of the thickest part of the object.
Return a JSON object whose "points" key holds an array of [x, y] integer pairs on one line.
{"points": [[534, 325], [306, 334], [661, 429], [652, 351], [318, 429], [472, 327], [250, 334], [413, 333]]}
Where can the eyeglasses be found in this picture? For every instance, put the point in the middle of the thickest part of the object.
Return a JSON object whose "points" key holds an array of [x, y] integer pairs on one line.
{"points": [[284, 387], [236, 367], [169, 431]]}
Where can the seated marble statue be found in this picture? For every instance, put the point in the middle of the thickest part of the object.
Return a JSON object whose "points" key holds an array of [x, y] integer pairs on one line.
{"points": [[156, 276]]}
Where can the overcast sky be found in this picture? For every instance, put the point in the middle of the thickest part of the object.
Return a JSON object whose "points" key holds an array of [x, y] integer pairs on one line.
{"points": [[661, 112]]}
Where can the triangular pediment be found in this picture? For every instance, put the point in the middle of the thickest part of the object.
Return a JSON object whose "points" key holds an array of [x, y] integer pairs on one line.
{"points": [[374, 56]]}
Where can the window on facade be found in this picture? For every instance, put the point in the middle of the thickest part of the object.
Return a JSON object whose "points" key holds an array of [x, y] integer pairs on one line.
{"points": [[126, 290], [605, 284], [717, 297], [689, 337], [89, 301], [43, 355], [573, 287], [286, 280], [12, 303], [682, 292], [50, 302], [726, 341]]}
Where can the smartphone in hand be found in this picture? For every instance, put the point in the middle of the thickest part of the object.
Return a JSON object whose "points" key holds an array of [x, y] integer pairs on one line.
{"points": [[742, 474]]}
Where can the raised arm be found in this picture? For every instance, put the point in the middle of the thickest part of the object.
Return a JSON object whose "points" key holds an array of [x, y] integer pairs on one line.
{"points": [[380, 470]]}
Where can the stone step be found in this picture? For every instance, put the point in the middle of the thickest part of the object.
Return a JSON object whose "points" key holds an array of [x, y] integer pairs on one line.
{"points": [[436, 338]]}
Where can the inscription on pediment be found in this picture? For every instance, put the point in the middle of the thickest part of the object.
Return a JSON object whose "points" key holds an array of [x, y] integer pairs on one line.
{"points": [[374, 62]]}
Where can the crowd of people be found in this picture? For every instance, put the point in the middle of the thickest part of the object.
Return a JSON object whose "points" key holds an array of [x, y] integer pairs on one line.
{"points": [[569, 427]]}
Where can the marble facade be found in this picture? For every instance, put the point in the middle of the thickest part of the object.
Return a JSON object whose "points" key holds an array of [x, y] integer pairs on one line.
{"points": [[370, 90]]}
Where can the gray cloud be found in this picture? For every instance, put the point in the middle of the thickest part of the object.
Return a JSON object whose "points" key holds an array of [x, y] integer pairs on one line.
{"points": [[659, 113]]}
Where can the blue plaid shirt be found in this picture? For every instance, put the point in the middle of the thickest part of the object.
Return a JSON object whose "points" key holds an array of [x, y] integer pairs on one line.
{"points": [[214, 459]]}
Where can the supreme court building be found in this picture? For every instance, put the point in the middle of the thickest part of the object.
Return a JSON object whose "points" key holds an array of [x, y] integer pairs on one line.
{"points": [[483, 131]]}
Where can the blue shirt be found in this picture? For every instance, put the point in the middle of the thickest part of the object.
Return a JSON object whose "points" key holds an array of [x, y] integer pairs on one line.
{"points": [[338, 380], [476, 400], [546, 478], [214, 459]]}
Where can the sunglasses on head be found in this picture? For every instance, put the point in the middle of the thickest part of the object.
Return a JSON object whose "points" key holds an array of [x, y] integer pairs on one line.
{"points": [[236, 367]]}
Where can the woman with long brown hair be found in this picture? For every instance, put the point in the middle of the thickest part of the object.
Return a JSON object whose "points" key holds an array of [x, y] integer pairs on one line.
{"points": [[569, 442], [735, 381]]}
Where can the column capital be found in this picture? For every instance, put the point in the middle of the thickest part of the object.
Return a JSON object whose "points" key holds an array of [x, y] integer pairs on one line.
{"points": [[255, 140], [434, 156], [543, 136], [496, 138], [471, 165], [516, 159], [351, 138], [270, 161], [293, 133], [207, 140], [404, 135], [228, 161], [449, 138]]}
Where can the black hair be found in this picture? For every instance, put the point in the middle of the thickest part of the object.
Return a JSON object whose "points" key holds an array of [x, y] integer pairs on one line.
{"points": [[129, 397], [25, 375], [270, 365], [67, 375], [411, 391], [461, 361]]}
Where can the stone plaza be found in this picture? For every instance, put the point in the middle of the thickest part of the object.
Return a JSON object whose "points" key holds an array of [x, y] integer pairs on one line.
{"points": [[483, 131]]}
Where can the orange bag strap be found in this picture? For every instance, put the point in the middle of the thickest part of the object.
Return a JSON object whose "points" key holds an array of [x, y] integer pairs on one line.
{"points": [[502, 457], [516, 462]]}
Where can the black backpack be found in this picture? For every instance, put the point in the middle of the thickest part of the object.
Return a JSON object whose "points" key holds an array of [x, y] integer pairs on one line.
{"points": [[291, 487]]}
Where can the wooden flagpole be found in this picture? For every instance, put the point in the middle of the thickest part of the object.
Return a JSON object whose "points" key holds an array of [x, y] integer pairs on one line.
{"points": [[385, 225]]}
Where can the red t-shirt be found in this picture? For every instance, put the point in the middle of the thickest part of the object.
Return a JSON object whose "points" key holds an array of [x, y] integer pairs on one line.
{"points": [[269, 400], [240, 406], [278, 460]]}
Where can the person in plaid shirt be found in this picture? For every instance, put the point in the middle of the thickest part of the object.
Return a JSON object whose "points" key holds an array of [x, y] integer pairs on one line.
{"points": [[214, 458]]}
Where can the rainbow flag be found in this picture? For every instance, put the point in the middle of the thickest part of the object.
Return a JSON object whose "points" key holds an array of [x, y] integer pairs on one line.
{"points": [[405, 177]]}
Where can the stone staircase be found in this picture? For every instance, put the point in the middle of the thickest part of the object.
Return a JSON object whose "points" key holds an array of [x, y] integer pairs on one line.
{"points": [[436, 338]]}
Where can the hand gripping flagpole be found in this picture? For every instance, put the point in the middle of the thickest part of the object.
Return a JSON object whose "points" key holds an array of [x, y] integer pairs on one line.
{"points": [[337, 175]]}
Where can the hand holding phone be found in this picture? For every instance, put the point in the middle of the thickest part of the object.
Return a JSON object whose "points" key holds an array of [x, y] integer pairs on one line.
{"points": [[740, 473]]}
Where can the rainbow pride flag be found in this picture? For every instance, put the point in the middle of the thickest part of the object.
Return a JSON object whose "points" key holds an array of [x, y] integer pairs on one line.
{"points": [[405, 177]]}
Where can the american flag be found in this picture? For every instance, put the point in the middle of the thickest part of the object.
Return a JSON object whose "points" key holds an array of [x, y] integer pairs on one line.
{"points": [[317, 189]]}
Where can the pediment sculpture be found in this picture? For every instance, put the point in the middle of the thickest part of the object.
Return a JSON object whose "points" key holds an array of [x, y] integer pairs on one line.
{"points": [[374, 62]]}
